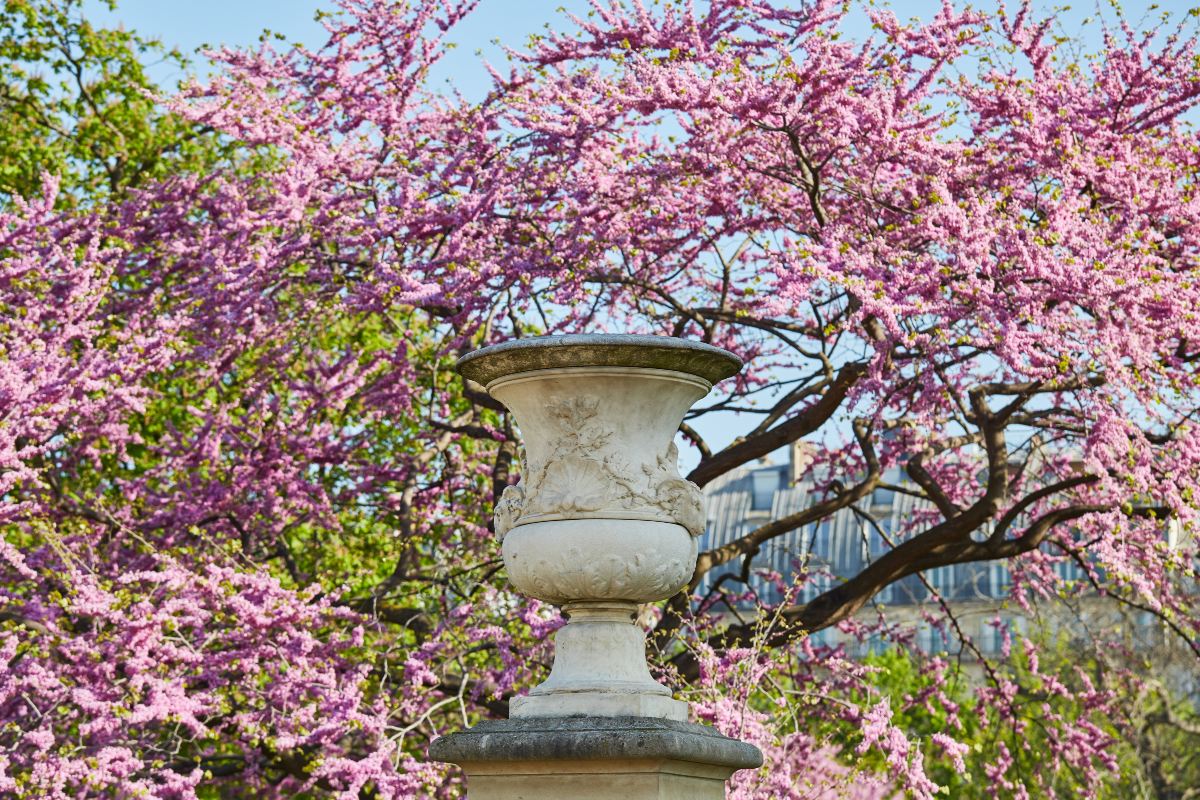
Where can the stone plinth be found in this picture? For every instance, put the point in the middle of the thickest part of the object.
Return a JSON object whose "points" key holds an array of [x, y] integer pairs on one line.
{"points": [[595, 758]]}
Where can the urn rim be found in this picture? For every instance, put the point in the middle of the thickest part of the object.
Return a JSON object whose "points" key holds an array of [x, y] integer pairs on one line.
{"points": [[711, 363]]}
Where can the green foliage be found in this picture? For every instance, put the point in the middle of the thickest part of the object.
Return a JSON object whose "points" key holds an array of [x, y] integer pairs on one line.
{"points": [[75, 101], [1157, 739], [1160, 754]]}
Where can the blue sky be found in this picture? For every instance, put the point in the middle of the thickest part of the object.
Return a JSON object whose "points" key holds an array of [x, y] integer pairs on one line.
{"points": [[191, 24]]}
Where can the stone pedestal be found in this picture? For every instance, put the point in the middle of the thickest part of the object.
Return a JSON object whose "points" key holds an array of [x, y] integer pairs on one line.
{"points": [[601, 521], [595, 758]]}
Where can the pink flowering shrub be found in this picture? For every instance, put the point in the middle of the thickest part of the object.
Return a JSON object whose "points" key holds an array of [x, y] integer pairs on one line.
{"points": [[741, 694], [245, 501], [147, 683]]}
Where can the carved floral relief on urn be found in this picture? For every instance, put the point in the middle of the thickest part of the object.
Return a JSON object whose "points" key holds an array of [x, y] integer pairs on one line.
{"points": [[601, 519]]}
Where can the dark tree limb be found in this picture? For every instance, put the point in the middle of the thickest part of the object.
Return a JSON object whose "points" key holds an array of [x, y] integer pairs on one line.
{"points": [[804, 423]]}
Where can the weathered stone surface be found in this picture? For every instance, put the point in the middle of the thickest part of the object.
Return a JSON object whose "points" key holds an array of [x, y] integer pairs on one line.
{"points": [[599, 669], [622, 779], [598, 350], [601, 519], [595, 758], [607, 703], [594, 739]]}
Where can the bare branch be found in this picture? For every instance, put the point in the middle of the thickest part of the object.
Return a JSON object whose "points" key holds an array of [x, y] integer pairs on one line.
{"points": [[804, 423]]}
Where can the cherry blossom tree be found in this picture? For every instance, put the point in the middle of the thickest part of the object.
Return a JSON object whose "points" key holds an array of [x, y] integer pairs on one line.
{"points": [[246, 500]]}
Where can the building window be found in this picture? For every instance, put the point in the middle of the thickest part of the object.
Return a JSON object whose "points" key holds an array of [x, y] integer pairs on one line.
{"points": [[883, 497], [992, 634], [765, 482], [998, 580], [942, 579]]}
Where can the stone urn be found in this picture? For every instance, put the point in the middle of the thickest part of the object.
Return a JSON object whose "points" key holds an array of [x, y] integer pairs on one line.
{"points": [[601, 519]]}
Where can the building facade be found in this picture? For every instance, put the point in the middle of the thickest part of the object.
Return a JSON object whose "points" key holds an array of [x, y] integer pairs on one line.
{"points": [[839, 547]]}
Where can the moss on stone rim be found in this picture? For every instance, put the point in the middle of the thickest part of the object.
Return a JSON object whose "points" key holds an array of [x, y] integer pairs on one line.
{"points": [[598, 350], [593, 738]]}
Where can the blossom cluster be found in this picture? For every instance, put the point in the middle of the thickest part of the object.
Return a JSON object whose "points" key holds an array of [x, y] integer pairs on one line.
{"points": [[244, 501]]}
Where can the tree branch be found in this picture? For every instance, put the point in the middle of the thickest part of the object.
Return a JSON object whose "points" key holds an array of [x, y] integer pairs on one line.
{"points": [[804, 423]]}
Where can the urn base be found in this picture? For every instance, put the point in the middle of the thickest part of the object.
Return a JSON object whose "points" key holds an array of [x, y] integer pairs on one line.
{"points": [[600, 669], [589, 758], [598, 704]]}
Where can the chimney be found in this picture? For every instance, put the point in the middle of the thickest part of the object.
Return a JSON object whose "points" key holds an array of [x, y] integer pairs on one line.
{"points": [[800, 457]]}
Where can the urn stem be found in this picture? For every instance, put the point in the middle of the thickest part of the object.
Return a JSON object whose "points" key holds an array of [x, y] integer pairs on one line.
{"points": [[600, 668]]}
